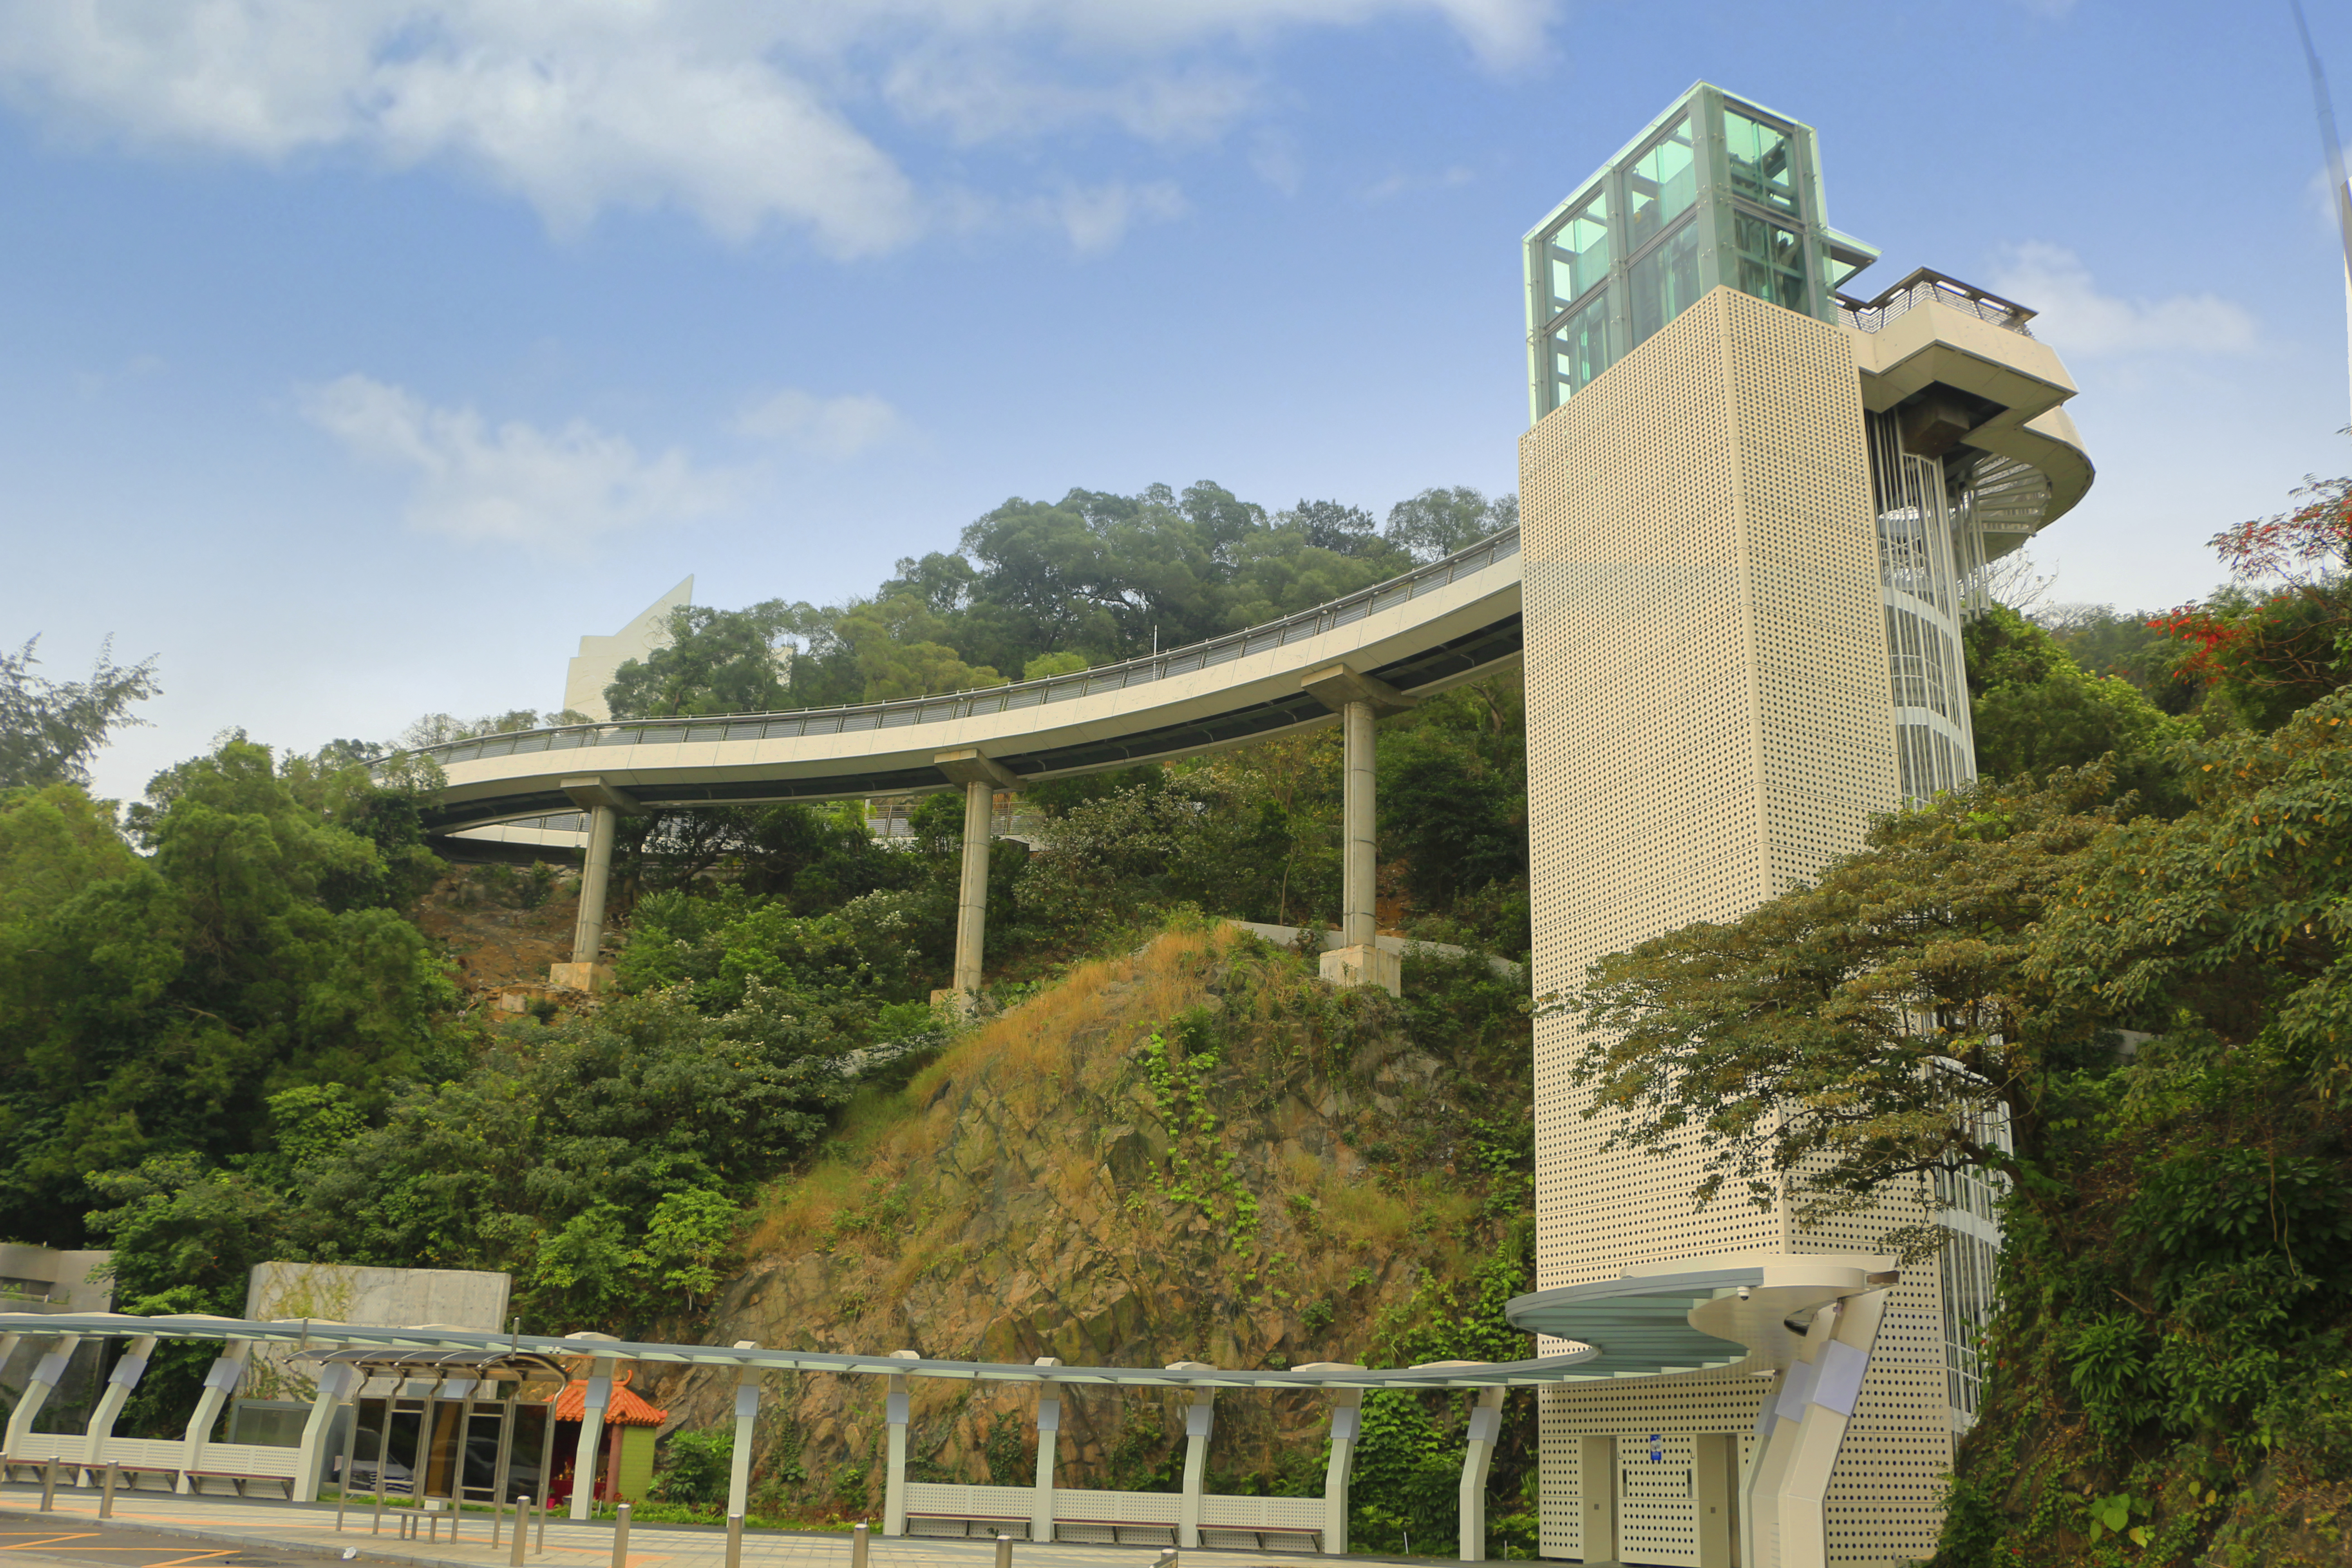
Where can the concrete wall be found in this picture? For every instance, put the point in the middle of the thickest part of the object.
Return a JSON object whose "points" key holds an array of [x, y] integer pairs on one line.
{"points": [[334, 1292], [37, 1279]]}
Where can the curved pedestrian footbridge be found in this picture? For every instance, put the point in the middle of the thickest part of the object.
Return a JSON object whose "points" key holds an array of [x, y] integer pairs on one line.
{"points": [[1451, 621]]}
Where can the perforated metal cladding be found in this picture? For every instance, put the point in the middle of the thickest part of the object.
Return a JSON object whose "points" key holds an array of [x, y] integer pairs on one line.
{"points": [[1707, 668], [1676, 1408]]}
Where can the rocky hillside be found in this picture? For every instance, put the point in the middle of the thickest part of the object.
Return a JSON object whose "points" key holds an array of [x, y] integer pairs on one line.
{"points": [[1197, 1151]]}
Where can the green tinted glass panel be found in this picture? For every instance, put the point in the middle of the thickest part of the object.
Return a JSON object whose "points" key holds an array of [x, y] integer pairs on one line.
{"points": [[1580, 349], [1763, 159], [1666, 281], [1578, 252], [1660, 185], [1770, 261], [1842, 267]]}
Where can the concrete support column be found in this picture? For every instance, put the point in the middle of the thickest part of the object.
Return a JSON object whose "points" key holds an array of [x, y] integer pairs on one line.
{"points": [[595, 876], [1359, 854], [1485, 1426], [971, 893], [1836, 1386], [120, 1383], [336, 1382], [47, 1373], [1049, 1444], [1752, 1472], [593, 1403], [747, 1416], [1596, 1492], [894, 1475], [219, 1384], [1358, 699], [982, 777]]}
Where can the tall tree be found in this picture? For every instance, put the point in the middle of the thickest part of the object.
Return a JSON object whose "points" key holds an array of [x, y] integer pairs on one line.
{"points": [[50, 730]]}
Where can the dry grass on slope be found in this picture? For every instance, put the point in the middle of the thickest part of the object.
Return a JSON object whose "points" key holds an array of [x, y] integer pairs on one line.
{"points": [[1163, 1155]]}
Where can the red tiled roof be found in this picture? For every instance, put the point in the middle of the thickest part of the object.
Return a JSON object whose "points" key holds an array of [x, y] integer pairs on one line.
{"points": [[625, 1410]]}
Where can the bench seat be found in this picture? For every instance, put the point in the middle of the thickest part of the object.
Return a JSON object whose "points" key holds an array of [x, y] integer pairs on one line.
{"points": [[239, 1480]]}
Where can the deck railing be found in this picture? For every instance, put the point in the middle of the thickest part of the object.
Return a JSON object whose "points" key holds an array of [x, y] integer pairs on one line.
{"points": [[989, 698]]}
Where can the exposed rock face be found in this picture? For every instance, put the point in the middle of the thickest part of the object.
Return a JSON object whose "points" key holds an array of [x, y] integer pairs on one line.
{"points": [[1163, 1157]]}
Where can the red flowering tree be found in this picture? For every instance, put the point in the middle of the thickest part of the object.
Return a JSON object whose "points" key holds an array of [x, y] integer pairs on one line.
{"points": [[2280, 636]]}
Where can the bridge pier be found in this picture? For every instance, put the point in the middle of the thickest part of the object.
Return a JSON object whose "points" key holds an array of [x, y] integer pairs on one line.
{"points": [[1358, 700], [981, 777], [604, 803]]}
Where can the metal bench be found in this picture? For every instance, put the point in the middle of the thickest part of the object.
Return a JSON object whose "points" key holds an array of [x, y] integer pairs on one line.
{"points": [[1004, 1524], [1258, 1532]]}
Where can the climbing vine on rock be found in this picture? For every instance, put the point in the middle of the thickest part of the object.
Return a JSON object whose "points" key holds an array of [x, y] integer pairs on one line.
{"points": [[1200, 1166]]}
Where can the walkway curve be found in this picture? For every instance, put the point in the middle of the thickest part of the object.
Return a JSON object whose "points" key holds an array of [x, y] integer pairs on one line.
{"points": [[1445, 623]]}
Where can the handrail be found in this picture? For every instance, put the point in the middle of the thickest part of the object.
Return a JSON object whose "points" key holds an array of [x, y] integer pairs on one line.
{"points": [[797, 722], [1928, 285]]}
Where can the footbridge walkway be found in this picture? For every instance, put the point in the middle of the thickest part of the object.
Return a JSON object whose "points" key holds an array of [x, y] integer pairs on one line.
{"points": [[525, 796]]}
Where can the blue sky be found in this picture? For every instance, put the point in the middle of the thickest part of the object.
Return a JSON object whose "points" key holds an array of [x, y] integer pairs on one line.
{"points": [[361, 355]]}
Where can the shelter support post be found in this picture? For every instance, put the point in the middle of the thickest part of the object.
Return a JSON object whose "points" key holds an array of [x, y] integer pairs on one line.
{"points": [[336, 1382], [894, 1479], [1049, 1442], [47, 1373], [747, 1416], [1836, 1386], [1478, 1453], [593, 1400], [1358, 700], [1346, 1425], [980, 777], [1776, 1428], [1199, 1417], [119, 1384], [219, 1384]]}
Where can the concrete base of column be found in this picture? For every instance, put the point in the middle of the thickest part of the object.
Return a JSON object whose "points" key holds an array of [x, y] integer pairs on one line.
{"points": [[958, 1003], [591, 977], [1365, 965]]}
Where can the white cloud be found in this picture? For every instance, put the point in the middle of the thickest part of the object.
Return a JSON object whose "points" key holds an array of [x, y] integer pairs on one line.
{"points": [[1097, 218], [516, 483], [2076, 316], [834, 427], [742, 112]]}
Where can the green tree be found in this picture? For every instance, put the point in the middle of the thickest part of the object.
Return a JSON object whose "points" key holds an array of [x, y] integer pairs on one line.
{"points": [[151, 1007], [1437, 522], [717, 661], [1844, 1040], [2036, 710], [50, 730]]}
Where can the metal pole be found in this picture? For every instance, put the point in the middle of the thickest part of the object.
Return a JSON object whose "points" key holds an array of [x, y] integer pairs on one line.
{"points": [[621, 1536], [383, 1451], [857, 1545], [734, 1541], [498, 1519], [106, 1494], [49, 1486], [350, 1448], [539, 1525], [522, 1532], [1004, 1551]]}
